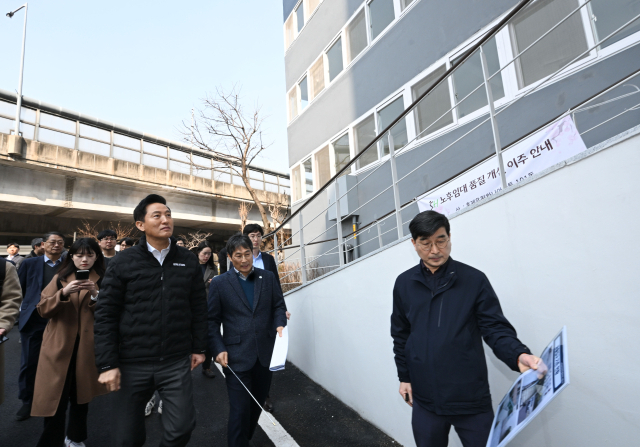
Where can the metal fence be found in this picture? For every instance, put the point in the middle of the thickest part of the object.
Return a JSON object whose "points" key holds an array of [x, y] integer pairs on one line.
{"points": [[340, 246], [50, 124]]}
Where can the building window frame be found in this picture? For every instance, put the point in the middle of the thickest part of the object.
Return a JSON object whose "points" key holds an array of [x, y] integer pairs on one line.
{"points": [[307, 14]]}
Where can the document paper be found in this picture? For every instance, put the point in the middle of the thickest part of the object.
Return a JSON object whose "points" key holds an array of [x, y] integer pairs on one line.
{"points": [[531, 393], [279, 356]]}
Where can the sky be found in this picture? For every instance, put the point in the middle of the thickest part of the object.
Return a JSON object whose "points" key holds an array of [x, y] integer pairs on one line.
{"points": [[144, 64]]}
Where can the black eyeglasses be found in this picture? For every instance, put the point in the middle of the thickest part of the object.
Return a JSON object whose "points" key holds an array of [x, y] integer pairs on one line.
{"points": [[441, 243]]}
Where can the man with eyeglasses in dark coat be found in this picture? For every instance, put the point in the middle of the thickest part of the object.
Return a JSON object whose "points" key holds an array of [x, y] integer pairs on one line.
{"points": [[442, 310]]}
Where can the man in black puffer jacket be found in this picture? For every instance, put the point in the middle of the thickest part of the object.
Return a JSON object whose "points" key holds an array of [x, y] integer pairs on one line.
{"points": [[151, 329]]}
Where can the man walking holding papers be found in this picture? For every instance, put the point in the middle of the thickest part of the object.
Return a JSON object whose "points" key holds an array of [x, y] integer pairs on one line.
{"points": [[249, 304], [442, 310]]}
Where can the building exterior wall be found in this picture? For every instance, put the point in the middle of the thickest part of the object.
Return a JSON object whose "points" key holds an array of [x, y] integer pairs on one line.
{"points": [[425, 35], [546, 247]]}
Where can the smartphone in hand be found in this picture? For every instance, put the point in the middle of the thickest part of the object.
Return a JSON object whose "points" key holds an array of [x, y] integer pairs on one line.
{"points": [[82, 275]]}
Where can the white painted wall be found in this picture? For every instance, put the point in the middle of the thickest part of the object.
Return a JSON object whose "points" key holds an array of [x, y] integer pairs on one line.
{"points": [[561, 250]]}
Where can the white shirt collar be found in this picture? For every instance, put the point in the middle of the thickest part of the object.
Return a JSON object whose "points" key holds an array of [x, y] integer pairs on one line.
{"points": [[160, 255], [50, 262], [241, 276]]}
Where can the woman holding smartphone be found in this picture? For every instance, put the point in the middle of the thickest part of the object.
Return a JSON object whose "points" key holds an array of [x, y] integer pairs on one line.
{"points": [[209, 270], [67, 372]]}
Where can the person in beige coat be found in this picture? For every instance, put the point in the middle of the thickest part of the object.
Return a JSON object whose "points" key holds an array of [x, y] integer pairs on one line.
{"points": [[10, 299], [66, 368]]}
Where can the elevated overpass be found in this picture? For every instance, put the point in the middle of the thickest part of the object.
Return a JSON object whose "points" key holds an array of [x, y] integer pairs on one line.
{"points": [[69, 167]]}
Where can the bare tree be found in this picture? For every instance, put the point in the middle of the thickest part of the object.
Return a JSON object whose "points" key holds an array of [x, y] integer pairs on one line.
{"points": [[91, 230], [233, 135], [193, 239], [243, 210]]}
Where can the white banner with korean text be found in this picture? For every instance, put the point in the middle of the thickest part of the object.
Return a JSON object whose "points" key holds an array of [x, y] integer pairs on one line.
{"points": [[545, 148]]}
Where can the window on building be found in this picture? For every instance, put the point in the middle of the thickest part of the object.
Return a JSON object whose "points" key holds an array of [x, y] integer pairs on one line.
{"points": [[307, 166], [289, 34], [293, 103], [399, 132], [341, 152], [381, 14], [432, 112], [468, 76], [609, 15], [334, 59], [304, 93], [556, 49], [311, 6], [405, 3], [323, 166], [356, 36], [296, 183], [364, 133], [300, 16], [316, 73]]}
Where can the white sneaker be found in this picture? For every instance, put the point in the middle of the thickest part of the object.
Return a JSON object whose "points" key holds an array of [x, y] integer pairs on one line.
{"points": [[160, 407], [69, 443], [149, 408]]}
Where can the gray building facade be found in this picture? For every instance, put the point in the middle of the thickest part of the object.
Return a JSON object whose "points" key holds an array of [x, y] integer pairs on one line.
{"points": [[353, 66]]}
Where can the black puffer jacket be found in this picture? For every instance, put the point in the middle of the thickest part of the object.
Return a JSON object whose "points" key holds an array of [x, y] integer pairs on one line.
{"points": [[150, 312]]}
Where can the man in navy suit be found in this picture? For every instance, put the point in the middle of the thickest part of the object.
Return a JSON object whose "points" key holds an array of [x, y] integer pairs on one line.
{"points": [[35, 274], [248, 302], [263, 261]]}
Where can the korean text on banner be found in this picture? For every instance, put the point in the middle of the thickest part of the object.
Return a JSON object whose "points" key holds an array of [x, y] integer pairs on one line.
{"points": [[551, 145]]}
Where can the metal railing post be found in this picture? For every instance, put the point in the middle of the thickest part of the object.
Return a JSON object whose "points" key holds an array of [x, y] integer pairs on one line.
{"points": [[76, 144], [141, 152], [494, 123], [168, 160], [275, 248], [379, 234], [303, 268], [396, 191], [339, 225], [36, 130], [111, 145]]}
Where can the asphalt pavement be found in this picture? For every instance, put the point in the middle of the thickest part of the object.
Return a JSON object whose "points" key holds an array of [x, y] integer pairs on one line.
{"points": [[311, 415]]}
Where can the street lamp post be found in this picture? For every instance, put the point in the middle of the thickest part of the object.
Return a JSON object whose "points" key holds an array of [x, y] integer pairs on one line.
{"points": [[18, 140]]}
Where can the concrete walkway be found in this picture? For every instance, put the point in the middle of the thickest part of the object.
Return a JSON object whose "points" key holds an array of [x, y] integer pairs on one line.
{"points": [[306, 415]]}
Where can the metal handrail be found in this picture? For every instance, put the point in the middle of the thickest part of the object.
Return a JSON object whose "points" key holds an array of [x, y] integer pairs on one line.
{"points": [[409, 109], [500, 147], [120, 130]]}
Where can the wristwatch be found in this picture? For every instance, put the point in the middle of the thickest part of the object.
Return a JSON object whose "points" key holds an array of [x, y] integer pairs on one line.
{"points": [[95, 298]]}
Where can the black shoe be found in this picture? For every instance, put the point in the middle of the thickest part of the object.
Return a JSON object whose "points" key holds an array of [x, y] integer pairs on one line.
{"points": [[24, 412], [209, 373], [268, 405]]}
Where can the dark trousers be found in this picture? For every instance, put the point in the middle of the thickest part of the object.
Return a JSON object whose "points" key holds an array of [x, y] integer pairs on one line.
{"points": [[53, 434], [432, 430], [208, 356], [138, 382], [31, 340], [243, 411]]}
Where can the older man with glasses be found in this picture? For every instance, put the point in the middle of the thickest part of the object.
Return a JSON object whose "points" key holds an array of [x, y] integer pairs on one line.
{"points": [[35, 274], [442, 310]]}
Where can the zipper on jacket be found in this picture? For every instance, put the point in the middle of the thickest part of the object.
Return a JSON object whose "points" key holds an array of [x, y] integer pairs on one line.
{"points": [[162, 312], [441, 301]]}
